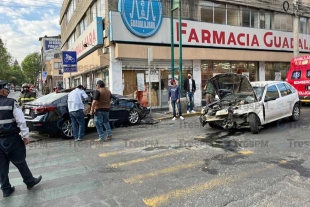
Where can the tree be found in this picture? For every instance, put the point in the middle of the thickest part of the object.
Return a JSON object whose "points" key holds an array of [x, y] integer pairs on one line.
{"points": [[31, 67], [16, 75], [5, 59]]}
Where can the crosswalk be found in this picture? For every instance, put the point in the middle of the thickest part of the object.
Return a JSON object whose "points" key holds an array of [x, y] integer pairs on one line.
{"points": [[105, 175]]}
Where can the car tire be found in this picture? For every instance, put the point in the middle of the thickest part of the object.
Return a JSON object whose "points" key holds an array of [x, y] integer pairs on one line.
{"points": [[66, 130], [254, 123], [295, 113], [134, 117]]}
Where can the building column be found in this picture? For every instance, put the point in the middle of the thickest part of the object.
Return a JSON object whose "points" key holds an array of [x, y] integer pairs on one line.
{"points": [[197, 78], [115, 73], [261, 71]]}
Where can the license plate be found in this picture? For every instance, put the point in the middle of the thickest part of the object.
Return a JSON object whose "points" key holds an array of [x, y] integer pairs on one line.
{"points": [[27, 111]]}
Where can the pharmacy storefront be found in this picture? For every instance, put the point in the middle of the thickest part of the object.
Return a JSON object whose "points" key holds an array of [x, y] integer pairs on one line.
{"points": [[208, 49]]}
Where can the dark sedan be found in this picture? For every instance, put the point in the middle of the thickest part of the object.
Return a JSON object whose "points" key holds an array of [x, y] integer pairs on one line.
{"points": [[49, 113]]}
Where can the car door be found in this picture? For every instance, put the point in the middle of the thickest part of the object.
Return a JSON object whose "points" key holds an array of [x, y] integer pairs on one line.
{"points": [[285, 99], [271, 103]]}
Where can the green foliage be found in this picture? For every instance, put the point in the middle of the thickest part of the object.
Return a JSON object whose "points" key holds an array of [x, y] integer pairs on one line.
{"points": [[5, 59], [31, 67]]}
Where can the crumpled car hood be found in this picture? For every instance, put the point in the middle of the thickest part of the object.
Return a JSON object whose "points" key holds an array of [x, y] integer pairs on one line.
{"points": [[231, 83]]}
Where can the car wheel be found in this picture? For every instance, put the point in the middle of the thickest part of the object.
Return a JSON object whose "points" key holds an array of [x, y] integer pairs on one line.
{"points": [[66, 130], [254, 123], [134, 117], [296, 113]]}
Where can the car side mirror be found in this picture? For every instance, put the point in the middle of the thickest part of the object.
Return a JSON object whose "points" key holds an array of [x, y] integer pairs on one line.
{"points": [[270, 99]]}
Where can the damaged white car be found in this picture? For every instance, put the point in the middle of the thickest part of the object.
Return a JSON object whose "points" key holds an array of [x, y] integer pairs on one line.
{"points": [[242, 104]]}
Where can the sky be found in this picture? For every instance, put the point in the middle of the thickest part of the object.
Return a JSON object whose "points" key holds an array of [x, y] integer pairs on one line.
{"points": [[23, 22]]}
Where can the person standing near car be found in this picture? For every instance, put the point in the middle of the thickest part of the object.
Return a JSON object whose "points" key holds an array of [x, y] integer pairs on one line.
{"points": [[76, 111], [174, 95], [190, 88], [12, 145], [26, 95], [210, 92], [101, 109]]}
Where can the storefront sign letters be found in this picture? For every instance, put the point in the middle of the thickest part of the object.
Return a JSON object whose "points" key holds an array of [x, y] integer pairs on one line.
{"points": [[204, 34], [142, 18]]}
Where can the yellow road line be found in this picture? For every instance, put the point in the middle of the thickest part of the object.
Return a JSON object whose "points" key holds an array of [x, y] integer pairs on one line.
{"points": [[163, 199], [108, 154], [143, 159], [139, 178], [246, 152]]}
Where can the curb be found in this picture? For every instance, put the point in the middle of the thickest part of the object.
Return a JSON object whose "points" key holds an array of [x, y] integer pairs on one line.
{"points": [[170, 117]]}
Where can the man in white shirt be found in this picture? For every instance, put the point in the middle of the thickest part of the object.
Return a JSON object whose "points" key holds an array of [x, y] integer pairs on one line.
{"points": [[76, 111]]}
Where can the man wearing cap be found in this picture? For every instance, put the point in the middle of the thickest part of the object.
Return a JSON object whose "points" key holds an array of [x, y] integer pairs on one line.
{"points": [[26, 95], [174, 94], [101, 108], [76, 111], [12, 145]]}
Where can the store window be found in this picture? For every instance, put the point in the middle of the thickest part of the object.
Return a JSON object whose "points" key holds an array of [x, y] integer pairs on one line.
{"points": [[245, 17], [283, 22], [207, 11], [254, 18], [233, 15], [276, 71], [303, 25], [219, 13]]}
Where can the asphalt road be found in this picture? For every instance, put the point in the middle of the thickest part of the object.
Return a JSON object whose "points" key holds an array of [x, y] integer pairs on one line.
{"points": [[173, 163]]}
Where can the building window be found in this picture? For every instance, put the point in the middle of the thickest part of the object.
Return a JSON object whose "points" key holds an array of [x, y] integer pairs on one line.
{"points": [[101, 4], [276, 69], [71, 10], [219, 13], [93, 11], [303, 25], [233, 15], [283, 22], [60, 72], [207, 12], [57, 65], [245, 17], [254, 18], [267, 21]]}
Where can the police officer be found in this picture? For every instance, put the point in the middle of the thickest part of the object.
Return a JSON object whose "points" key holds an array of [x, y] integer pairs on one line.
{"points": [[12, 145], [26, 95]]}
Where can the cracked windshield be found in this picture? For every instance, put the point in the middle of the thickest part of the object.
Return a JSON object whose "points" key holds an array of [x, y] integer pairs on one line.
{"points": [[117, 103]]}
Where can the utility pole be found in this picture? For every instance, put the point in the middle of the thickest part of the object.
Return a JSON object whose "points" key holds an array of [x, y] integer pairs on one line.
{"points": [[296, 28]]}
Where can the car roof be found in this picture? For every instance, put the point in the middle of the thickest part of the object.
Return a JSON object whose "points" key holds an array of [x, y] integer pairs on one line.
{"points": [[265, 83]]}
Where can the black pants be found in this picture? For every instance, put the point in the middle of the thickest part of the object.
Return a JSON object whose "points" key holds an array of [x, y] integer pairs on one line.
{"points": [[12, 149]]}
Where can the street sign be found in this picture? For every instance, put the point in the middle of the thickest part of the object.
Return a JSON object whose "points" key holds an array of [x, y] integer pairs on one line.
{"points": [[69, 58], [69, 69], [44, 74]]}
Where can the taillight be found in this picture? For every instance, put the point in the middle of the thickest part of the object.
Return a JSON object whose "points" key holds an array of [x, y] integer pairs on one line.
{"points": [[43, 109]]}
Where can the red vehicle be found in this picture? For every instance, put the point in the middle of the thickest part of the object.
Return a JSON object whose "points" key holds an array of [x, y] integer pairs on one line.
{"points": [[299, 76]]}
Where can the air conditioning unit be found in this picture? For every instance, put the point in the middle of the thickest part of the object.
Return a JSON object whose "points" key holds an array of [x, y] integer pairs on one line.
{"points": [[105, 50]]}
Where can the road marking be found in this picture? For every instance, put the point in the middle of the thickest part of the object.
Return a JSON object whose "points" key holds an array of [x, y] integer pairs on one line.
{"points": [[44, 163], [108, 154], [162, 200], [54, 175], [139, 178], [246, 152], [143, 159], [38, 196]]}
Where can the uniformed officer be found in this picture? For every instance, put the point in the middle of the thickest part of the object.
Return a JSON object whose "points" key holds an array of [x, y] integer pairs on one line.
{"points": [[12, 145], [26, 95]]}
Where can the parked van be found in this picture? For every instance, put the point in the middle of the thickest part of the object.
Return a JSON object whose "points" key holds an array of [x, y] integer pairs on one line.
{"points": [[299, 76]]}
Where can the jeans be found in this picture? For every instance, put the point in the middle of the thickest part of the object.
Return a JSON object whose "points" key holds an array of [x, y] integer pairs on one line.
{"points": [[12, 148], [179, 108], [78, 123], [102, 118], [190, 101]]}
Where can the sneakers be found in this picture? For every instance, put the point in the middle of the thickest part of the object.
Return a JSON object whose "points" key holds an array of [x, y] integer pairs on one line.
{"points": [[99, 140], [35, 182], [109, 137], [174, 118], [188, 112], [193, 111], [9, 193], [181, 117]]}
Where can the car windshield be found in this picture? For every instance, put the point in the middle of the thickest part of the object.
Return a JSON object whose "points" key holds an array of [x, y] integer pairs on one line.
{"points": [[259, 92], [48, 99]]}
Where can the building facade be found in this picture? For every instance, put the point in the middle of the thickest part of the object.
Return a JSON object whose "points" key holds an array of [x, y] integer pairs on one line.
{"points": [[54, 71], [112, 37]]}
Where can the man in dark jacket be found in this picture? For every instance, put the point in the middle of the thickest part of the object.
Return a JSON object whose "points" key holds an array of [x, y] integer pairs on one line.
{"points": [[190, 88], [25, 95]]}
